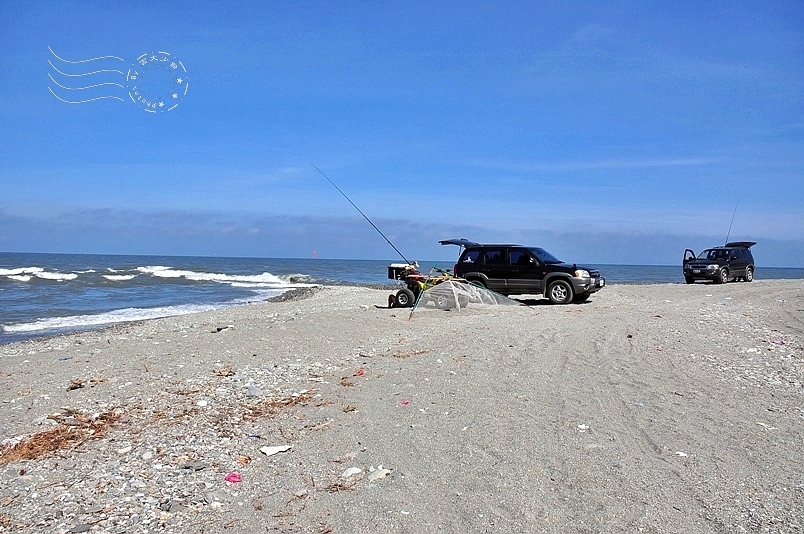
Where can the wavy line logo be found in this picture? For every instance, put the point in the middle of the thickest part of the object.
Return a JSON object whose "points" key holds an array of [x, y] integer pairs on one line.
{"points": [[156, 82]]}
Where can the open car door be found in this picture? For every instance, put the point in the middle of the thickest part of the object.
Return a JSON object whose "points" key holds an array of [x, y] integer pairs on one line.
{"points": [[689, 255], [460, 242]]}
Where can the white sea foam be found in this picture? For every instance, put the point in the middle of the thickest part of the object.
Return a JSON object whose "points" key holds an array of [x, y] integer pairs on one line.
{"points": [[119, 277], [24, 274], [162, 271], [112, 317], [59, 277], [20, 270]]}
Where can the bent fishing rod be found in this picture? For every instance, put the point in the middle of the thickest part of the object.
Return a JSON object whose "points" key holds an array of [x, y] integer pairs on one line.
{"points": [[361, 213]]}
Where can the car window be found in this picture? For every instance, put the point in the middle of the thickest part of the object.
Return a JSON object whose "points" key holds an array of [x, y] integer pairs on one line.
{"points": [[470, 256], [494, 257], [519, 257], [712, 254], [543, 256]]}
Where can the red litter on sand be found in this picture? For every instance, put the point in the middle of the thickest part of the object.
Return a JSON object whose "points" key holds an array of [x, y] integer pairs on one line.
{"points": [[405, 403], [360, 372], [233, 477]]}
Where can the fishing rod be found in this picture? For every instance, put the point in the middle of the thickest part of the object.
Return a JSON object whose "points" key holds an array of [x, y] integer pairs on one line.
{"points": [[732, 221], [361, 212]]}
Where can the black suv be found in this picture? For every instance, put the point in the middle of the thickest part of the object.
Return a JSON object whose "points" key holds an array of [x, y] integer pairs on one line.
{"points": [[520, 270], [720, 264]]}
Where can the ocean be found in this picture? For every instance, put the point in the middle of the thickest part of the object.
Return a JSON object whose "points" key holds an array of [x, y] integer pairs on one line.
{"points": [[49, 294]]}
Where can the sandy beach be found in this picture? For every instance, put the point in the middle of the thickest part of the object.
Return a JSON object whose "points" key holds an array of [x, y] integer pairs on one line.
{"points": [[650, 408]]}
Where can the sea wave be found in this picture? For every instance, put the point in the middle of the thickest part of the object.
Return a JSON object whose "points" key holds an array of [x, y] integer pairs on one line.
{"points": [[125, 315], [162, 271], [120, 277], [25, 274], [112, 317]]}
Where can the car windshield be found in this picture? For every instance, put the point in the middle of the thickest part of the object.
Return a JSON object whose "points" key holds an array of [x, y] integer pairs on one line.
{"points": [[543, 255], [713, 254]]}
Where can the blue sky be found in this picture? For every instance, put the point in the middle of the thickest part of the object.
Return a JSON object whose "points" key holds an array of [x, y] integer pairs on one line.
{"points": [[618, 133]]}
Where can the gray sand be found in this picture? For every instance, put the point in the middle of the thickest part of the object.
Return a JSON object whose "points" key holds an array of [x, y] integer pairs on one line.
{"points": [[658, 408]]}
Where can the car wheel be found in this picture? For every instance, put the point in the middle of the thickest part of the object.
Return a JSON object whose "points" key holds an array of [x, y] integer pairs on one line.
{"points": [[722, 276], [443, 302], [560, 292], [749, 274], [404, 298]]}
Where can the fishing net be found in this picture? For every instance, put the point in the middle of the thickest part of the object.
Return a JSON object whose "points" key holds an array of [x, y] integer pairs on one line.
{"points": [[460, 296]]}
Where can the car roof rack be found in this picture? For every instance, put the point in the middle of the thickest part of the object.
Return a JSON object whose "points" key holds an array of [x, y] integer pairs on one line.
{"points": [[741, 244]]}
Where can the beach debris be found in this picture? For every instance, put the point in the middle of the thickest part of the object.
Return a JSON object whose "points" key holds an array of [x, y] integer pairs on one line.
{"points": [[224, 371], [274, 449], [65, 357], [681, 454], [69, 432], [409, 354], [339, 486], [360, 372], [202, 403], [583, 427], [405, 403], [350, 472], [124, 450], [76, 383], [221, 327], [233, 477], [300, 493], [377, 474]]}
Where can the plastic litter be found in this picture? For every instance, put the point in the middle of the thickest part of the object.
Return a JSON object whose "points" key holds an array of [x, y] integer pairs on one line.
{"points": [[233, 477], [352, 471], [274, 449], [379, 473]]}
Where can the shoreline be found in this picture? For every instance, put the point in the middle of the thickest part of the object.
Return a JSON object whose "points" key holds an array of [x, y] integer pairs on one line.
{"points": [[291, 294]]}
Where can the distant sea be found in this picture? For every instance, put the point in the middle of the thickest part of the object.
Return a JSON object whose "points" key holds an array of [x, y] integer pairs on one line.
{"points": [[49, 294]]}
